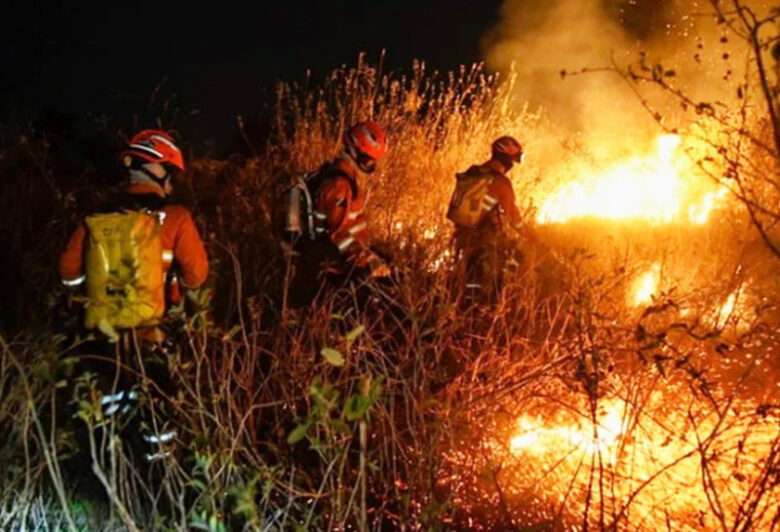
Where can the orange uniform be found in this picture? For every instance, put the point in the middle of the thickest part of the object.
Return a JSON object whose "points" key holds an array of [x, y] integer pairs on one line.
{"points": [[484, 249], [498, 203], [341, 240], [501, 194], [339, 212], [180, 239]]}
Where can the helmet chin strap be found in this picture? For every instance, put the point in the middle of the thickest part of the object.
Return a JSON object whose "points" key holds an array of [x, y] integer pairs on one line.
{"points": [[346, 155]]}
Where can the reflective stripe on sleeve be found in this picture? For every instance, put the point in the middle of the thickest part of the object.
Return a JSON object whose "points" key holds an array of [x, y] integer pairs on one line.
{"points": [[344, 244], [355, 229], [167, 255], [319, 215], [489, 202], [74, 282]]}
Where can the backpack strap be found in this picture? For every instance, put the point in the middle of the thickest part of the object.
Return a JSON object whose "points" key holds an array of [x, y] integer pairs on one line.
{"points": [[302, 183]]}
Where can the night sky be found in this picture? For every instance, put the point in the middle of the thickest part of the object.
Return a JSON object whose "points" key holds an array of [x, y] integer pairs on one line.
{"points": [[218, 59]]}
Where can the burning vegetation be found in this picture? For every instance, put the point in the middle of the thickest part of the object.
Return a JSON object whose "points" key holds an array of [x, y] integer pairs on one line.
{"points": [[627, 378]]}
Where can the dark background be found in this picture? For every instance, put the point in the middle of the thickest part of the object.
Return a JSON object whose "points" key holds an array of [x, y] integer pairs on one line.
{"points": [[211, 60]]}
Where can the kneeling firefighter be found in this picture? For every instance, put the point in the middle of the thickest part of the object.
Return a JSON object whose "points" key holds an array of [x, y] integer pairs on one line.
{"points": [[487, 220], [132, 257], [325, 225]]}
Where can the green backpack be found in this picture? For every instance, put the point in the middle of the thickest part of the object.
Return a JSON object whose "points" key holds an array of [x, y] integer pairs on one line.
{"points": [[467, 205], [125, 270]]}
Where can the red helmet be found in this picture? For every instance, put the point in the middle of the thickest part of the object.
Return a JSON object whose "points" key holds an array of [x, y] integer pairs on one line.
{"points": [[509, 147], [154, 146], [366, 143]]}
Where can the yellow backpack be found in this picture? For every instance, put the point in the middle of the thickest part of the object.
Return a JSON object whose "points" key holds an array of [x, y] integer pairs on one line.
{"points": [[124, 268], [467, 205]]}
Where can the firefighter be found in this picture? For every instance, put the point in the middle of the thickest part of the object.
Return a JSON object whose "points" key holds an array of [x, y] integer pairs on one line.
{"points": [[130, 260], [335, 247], [487, 220]]}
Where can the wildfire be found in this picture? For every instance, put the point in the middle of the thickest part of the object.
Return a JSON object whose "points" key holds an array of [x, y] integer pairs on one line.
{"points": [[651, 188]]}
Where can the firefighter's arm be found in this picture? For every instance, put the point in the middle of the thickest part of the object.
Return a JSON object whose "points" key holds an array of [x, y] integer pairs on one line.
{"points": [[71, 266], [505, 195], [349, 235], [334, 203], [346, 234], [190, 253]]}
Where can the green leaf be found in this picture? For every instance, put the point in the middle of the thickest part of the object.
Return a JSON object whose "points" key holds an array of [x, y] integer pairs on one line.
{"points": [[198, 485], [298, 433], [354, 333], [333, 356], [231, 333], [356, 407]]}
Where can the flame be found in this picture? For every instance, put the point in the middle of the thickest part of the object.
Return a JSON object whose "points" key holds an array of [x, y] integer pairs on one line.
{"points": [[727, 308], [735, 310], [645, 286], [535, 438], [651, 188], [699, 213]]}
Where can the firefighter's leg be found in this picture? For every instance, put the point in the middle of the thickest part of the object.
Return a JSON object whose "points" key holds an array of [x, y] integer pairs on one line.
{"points": [[105, 401], [473, 286], [157, 428], [491, 273], [308, 277], [111, 378]]}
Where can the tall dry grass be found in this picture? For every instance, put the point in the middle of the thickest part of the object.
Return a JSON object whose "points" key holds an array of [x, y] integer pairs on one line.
{"points": [[392, 405]]}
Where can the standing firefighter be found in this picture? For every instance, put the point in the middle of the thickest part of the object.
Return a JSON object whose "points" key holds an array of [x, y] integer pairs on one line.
{"points": [[325, 220], [487, 221], [125, 256]]}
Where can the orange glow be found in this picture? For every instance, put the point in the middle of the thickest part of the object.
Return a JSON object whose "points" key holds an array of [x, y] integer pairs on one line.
{"points": [[645, 287], [636, 446], [734, 310], [535, 438], [640, 457], [699, 213]]}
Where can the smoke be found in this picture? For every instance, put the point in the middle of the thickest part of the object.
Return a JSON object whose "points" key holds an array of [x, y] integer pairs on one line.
{"points": [[600, 111]]}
